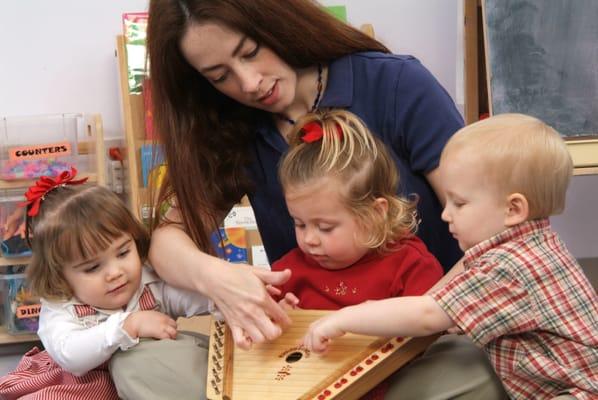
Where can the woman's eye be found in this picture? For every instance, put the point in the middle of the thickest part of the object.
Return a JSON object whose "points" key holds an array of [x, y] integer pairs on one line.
{"points": [[220, 79], [326, 229], [253, 52]]}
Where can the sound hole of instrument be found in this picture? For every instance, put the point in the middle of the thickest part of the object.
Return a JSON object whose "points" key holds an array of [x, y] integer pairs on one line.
{"points": [[294, 357]]}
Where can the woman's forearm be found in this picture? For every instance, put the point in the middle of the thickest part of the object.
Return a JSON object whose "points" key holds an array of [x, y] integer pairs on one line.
{"points": [[178, 261]]}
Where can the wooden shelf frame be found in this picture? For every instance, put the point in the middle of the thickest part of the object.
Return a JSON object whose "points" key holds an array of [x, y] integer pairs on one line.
{"points": [[133, 115], [7, 338]]}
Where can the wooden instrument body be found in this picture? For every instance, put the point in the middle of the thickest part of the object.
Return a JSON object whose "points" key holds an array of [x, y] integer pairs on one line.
{"points": [[284, 369]]}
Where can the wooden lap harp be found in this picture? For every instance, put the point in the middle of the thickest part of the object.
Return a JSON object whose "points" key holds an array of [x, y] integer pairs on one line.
{"points": [[284, 369]]}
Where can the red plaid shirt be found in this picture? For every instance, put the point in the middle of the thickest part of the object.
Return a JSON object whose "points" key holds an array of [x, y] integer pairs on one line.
{"points": [[525, 300]]}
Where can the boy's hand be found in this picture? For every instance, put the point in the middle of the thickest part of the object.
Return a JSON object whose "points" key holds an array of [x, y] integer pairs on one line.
{"points": [[322, 331], [150, 324], [289, 302]]}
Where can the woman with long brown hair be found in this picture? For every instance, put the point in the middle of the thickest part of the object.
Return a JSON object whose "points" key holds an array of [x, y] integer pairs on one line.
{"points": [[229, 80]]}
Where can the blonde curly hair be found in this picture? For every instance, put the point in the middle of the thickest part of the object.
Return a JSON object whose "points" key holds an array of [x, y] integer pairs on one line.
{"points": [[362, 165]]}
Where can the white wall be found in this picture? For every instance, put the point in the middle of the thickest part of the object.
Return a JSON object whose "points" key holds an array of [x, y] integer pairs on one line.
{"points": [[58, 56], [426, 29], [578, 225]]}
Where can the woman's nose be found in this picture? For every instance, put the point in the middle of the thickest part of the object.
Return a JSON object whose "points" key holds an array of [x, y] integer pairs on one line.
{"points": [[250, 79]]}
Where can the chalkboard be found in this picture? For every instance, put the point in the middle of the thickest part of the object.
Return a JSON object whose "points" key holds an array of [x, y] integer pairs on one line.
{"points": [[542, 60]]}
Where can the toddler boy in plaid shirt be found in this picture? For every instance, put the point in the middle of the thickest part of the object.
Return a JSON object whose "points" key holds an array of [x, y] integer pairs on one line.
{"points": [[520, 294]]}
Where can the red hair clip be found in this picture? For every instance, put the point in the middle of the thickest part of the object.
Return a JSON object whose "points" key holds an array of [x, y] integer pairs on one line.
{"points": [[44, 185], [313, 131]]}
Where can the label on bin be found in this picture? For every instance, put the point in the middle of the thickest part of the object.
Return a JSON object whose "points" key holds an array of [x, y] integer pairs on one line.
{"points": [[33, 152], [28, 311]]}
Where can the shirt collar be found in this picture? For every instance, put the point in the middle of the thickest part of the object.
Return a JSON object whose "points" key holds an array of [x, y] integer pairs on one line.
{"points": [[339, 86], [508, 235]]}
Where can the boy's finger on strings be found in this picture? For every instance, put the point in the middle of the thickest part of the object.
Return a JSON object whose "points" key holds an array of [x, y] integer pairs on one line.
{"points": [[315, 342]]}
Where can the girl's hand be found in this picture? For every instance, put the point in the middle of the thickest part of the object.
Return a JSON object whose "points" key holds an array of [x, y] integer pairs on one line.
{"points": [[150, 324], [289, 302], [240, 294], [322, 331]]}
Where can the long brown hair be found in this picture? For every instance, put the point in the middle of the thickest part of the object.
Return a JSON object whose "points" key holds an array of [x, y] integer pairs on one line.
{"points": [[206, 135], [361, 167]]}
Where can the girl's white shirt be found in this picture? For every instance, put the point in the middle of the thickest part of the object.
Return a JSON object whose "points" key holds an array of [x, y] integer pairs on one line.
{"points": [[80, 344]]}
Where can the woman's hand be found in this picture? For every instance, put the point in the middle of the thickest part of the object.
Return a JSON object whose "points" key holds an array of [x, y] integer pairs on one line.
{"points": [[240, 294], [289, 301], [239, 291]]}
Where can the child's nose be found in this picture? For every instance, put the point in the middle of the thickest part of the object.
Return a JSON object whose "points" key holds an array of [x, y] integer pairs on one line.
{"points": [[445, 215], [113, 271], [311, 237]]}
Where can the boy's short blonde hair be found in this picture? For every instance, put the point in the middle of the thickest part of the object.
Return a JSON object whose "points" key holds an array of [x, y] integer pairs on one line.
{"points": [[76, 222], [520, 154]]}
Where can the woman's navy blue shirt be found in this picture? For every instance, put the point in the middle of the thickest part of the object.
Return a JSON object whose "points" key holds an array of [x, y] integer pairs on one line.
{"points": [[403, 104]]}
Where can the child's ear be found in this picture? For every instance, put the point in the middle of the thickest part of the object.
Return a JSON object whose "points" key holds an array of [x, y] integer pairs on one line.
{"points": [[517, 209], [381, 205]]}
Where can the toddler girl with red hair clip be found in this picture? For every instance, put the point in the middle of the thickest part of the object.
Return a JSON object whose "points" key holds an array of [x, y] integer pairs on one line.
{"points": [[356, 237]]}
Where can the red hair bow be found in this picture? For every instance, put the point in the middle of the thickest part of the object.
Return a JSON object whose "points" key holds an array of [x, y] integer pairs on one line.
{"points": [[313, 132], [45, 184]]}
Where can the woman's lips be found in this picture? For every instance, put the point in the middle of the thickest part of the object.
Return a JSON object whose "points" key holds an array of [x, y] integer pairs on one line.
{"points": [[271, 97]]}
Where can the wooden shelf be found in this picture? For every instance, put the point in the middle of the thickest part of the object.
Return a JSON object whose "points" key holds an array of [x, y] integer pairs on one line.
{"points": [[14, 261], [585, 171], [133, 114], [25, 183], [6, 338], [93, 145], [584, 154]]}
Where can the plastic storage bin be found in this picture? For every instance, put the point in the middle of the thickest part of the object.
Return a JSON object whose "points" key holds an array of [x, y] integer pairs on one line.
{"points": [[12, 224], [39, 145], [21, 307]]}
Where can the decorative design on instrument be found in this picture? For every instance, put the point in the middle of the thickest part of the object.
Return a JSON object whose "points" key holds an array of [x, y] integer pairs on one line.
{"points": [[354, 374], [283, 373]]}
